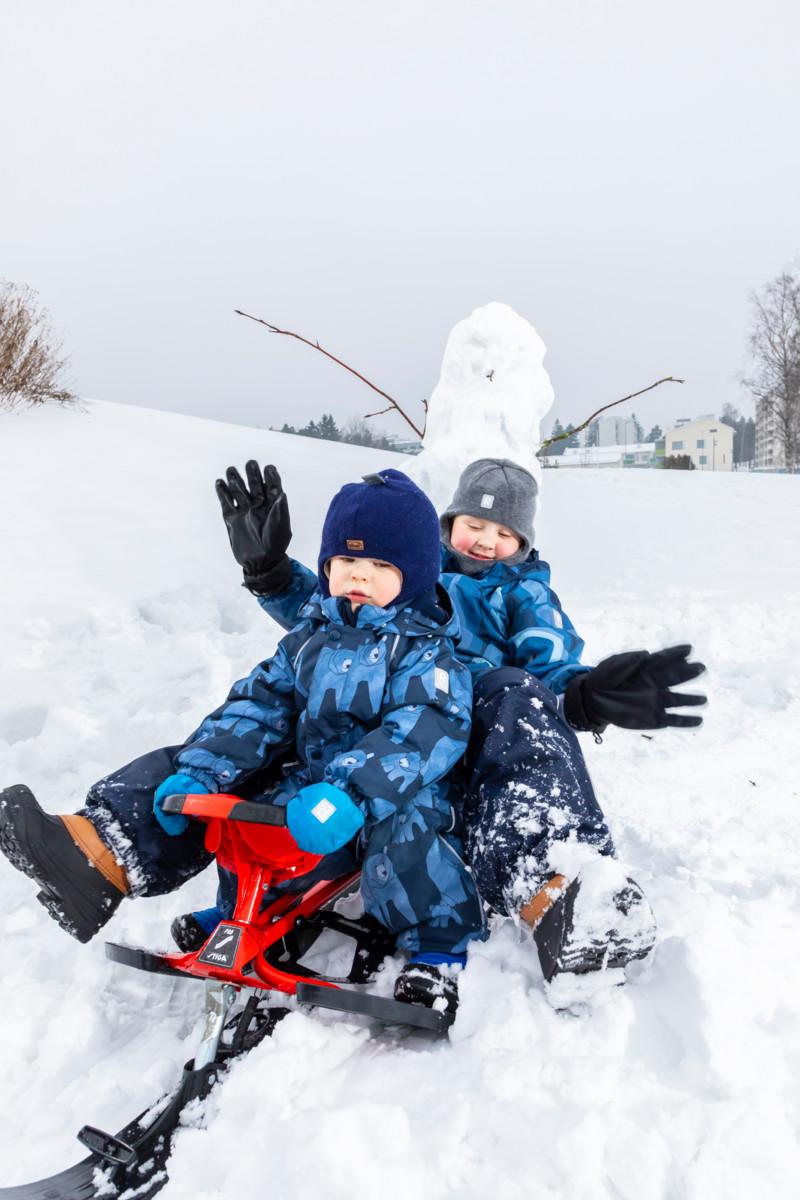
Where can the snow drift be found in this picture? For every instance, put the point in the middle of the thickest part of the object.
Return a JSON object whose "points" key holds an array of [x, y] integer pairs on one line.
{"points": [[122, 622]]}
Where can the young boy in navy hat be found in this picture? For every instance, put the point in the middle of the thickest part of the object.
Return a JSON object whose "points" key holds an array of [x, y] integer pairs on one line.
{"points": [[367, 693], [536, 837]]}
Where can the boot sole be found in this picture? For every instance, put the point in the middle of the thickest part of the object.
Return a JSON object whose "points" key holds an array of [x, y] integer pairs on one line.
{"points": [[558, 957], [22, 820]]}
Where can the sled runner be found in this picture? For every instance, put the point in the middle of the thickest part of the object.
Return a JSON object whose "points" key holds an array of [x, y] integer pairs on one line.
{"points": [[256, 953]]}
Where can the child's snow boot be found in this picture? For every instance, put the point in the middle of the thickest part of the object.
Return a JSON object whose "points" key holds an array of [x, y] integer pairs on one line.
{"points": [[432, 980], [192, 930], [594, 923], [81, 881]]}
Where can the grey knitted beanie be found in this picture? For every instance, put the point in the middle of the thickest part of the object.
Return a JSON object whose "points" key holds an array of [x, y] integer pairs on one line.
{"points": [[496, 489]]}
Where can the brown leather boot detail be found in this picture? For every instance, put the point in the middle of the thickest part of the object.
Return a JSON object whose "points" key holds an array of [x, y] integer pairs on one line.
{"points": [[548, 893], [86, 837]]}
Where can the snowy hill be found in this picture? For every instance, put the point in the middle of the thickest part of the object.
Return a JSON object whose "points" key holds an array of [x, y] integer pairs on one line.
{"points": [[122, 622]]}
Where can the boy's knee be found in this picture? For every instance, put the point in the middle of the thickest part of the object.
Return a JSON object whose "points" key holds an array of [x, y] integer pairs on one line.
{"points": [[495, 682], [510, 689]]}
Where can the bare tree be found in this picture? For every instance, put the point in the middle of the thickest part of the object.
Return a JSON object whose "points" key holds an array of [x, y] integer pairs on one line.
{"points": [[360, 433], [30, 356], [775, 352]]}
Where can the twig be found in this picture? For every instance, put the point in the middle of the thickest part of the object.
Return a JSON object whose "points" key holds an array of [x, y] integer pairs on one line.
{"points": [[568, 433], [316, 346]]}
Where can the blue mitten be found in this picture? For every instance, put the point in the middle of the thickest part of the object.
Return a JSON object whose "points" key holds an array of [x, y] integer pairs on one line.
{"points": [[322, 818], [174, 785]]}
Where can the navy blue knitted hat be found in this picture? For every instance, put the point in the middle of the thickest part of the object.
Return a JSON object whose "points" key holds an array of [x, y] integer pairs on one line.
{"points": [[386, 517]]}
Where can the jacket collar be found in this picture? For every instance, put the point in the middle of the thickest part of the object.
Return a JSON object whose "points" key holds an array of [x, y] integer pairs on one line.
{"points": [[430, 613], [497, 572]]}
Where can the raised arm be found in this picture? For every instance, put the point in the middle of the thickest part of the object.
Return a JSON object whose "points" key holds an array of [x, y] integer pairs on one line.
{"points": [[284, 606], [256, 516], [543, 640]]}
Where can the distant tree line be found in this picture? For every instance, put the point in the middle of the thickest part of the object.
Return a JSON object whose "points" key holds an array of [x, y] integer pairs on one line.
{"points": [[744, 434], [356, 431], [558, 448]]}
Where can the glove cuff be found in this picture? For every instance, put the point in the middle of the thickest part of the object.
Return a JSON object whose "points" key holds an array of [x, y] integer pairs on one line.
{"points": [[575, 708], [268, 579]]}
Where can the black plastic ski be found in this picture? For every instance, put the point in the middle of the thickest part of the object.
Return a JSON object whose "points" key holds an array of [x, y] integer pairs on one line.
{"points": [[144, 960], [135, 1158], [144, 1147], [379, 1008]]}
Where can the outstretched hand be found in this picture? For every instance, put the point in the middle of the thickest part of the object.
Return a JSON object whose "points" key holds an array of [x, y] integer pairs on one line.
{"points": [[633, 690], [256, 515]]}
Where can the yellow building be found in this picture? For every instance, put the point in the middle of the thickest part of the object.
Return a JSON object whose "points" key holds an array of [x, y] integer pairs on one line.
{"points": [[707, 441]]}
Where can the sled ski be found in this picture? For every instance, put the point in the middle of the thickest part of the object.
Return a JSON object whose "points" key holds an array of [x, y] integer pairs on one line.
{"points": [[379, 1008], [134, 1159], [257, 952]]}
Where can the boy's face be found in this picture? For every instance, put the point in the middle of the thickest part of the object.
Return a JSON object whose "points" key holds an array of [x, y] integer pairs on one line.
{"points": [[483, 540], [364, 580]]}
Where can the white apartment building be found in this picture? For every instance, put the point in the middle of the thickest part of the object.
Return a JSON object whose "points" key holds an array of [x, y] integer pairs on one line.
{"points": [[707, 441], [616, 431], [769, 448]]}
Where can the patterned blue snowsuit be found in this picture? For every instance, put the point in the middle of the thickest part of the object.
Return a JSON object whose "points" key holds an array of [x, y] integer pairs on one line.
{"points": [[525, 782], [372, 701]]}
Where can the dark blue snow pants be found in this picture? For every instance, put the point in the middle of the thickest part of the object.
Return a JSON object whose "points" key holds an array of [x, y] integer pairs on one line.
{"points": [[526, 786]]}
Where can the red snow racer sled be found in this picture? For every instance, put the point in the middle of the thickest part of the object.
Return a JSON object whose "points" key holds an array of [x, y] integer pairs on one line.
{"points": [[261, 945], [257, 952]]}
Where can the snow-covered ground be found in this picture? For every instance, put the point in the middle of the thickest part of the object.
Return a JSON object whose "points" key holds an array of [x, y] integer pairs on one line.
{"points": [[122, 622]]}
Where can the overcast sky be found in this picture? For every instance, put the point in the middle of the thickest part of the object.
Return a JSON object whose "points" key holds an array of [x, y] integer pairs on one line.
{"points": [[367, 173]]}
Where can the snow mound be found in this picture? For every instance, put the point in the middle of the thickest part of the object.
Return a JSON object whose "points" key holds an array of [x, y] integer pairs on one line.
{"points": [[122, 622]]}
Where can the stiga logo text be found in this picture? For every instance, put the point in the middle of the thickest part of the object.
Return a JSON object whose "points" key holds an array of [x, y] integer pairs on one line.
{"points": [[221, 950]]}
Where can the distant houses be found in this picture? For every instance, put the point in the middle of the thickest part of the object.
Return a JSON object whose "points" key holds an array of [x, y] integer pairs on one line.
{"points": [[638, 454], [707, 441], [705, 444]]}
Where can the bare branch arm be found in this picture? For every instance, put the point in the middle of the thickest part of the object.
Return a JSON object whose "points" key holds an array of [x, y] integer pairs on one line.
{"points": [[316, 346], [569, 433]]}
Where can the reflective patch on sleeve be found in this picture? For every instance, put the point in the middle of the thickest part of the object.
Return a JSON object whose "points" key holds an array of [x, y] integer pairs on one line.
{"points": [[442, 680], [547, 636], [323, 810]]}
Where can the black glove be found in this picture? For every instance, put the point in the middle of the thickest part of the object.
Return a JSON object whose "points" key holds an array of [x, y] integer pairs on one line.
{"points": [[258, 526], [632, 690]]}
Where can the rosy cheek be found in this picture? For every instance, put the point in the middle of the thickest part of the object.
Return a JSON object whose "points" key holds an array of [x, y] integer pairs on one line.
{"points": [[462, 540]]}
